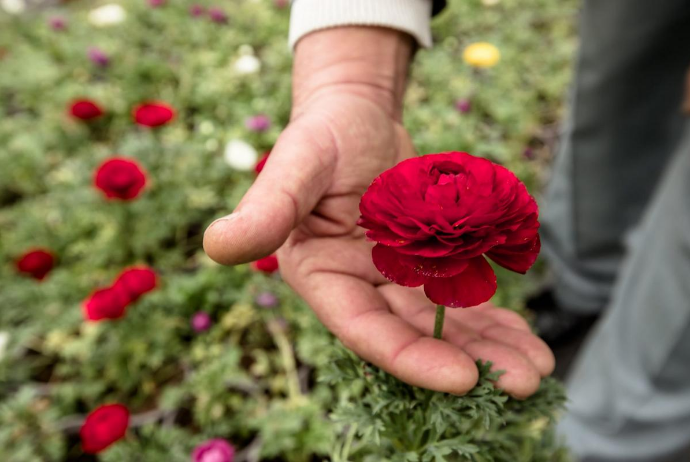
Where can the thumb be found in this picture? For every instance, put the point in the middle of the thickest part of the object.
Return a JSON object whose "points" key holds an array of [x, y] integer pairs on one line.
{"points": [[296, 175]]}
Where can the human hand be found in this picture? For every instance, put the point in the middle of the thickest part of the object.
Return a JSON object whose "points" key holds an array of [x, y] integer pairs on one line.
{"points": [[345, 130]]}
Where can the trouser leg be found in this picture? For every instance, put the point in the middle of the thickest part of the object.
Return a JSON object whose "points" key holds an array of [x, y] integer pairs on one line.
{"points": [[624, 122], [630, 389]]}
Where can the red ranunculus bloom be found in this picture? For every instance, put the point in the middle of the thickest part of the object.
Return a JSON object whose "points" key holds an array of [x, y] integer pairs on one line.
{"points": [[36, 263], [260, 165], [266, 265], [103, 427], [120, 178], [85, 109], [435, 217], [153, 114], [106, 303], [137, 281]]}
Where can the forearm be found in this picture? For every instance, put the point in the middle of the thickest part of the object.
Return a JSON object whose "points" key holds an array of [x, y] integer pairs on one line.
{"points": [[371, 62]]}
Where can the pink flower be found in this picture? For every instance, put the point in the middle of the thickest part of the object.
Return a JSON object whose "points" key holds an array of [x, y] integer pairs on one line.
{"points": [[266, 300], [57, 23], [463, 105], [217, 15], [97, 57], [156, 3], [196, 10], [214, 450], [201, 322], [258, 123]]}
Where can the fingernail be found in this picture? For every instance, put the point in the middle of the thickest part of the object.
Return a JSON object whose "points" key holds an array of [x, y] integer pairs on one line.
{"points": [[224, 219]]}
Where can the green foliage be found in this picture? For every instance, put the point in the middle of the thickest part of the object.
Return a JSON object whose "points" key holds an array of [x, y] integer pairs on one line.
{"points": [[251, 377], [401, 423]]}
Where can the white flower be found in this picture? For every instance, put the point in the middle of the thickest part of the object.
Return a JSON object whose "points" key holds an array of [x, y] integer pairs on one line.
{"points": [[240, 155], [107, 15], [4, 340], [13, 6], [247, 64]]}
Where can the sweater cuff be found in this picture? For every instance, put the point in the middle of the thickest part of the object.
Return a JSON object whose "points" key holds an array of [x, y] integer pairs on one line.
{"points": [[411, 16]]}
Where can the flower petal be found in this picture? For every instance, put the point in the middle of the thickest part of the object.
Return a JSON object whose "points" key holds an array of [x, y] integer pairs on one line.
{"points": [[389, 263], [518, 258], [473, 286]]}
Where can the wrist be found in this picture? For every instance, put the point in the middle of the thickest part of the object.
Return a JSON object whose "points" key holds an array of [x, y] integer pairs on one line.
{"points": [[370, 62]]}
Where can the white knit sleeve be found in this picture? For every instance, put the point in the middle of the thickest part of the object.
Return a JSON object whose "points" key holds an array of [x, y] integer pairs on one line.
{"points": [[411, 16]]}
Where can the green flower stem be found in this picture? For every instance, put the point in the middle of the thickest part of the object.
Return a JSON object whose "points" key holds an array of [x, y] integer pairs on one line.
{"points": [[438, 325], [348, 442], [287, 355]]}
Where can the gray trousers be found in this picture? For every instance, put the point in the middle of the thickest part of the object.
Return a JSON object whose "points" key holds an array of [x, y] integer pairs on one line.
{"points": [[616, 231]]}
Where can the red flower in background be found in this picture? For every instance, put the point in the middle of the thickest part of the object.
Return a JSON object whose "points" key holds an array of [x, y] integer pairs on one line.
{"points": [[36, 263], [153, 114], [120, 178], [106, 303], [137, 281], [103, 427], [260, 165], [435, 217], [268, 265], [85, 109]]}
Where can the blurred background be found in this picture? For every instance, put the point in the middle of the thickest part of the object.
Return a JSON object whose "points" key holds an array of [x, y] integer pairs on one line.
{"points": [[192, 95]]}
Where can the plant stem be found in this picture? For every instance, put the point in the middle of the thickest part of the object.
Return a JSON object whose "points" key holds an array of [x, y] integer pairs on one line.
{"points": [[348, 442], [438, 325]]}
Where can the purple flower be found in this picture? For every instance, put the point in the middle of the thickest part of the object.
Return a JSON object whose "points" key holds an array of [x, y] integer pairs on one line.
{"points": [[98, 57], [528, 153], [57, 23], [463, 105], [258, 123], [266, 300], [156, 3], [214, 450], [201, 322], [217, 15], [196, 10]]}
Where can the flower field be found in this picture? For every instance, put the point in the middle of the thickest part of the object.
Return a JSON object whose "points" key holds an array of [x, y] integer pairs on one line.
{"points": [[125, 129]]}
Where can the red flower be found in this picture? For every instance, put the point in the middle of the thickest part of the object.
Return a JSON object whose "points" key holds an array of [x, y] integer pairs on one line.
{"points": [[137, 281], [153, 114], [36, 263], [103, 427], [85, 109], [260, 165], [435, 217], [107, 303], [266, 265], [120, 178]]}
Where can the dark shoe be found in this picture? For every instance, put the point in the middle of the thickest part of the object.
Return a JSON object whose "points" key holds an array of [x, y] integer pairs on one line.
{"points": [[556, 326]]}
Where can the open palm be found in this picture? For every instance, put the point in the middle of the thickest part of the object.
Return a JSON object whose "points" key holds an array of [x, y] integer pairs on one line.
{"points": [[305, 202]]}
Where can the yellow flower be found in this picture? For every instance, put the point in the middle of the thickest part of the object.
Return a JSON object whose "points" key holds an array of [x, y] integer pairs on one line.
{"points": [[481, 54]]}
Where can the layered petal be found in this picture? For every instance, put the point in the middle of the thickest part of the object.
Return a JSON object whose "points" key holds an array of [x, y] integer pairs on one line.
{"points": [[388, 262], [473, 286]]}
